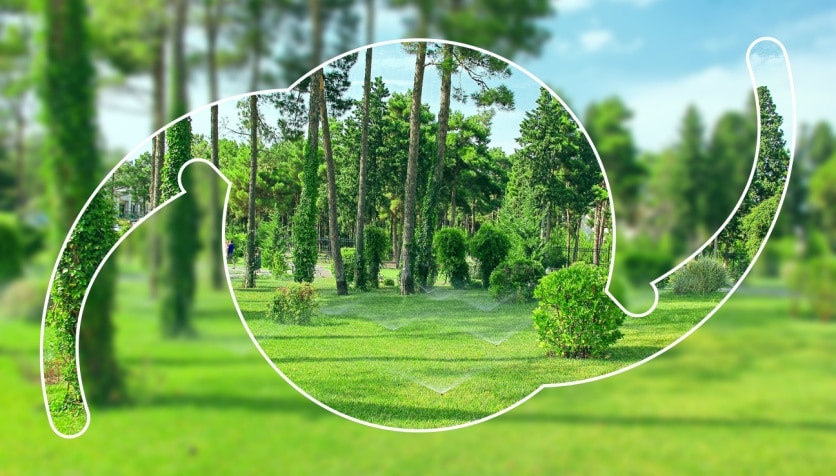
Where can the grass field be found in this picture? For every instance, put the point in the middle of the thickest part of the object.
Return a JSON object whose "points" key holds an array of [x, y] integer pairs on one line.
{"points": [[752, 391], [436, 359]]}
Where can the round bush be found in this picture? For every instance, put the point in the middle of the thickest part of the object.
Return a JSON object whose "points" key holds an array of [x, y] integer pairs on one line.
{"points": [[388, 282], [516, 279], [450, 247], [702, 276], [575, 318], [294, 304], [490, 246]]}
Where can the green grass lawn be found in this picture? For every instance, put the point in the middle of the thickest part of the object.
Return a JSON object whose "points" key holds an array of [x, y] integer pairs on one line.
{"points": [[437, 359], [749, 392]]}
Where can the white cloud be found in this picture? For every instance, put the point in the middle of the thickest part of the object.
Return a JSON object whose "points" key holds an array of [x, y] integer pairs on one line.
{"points": [[594, 40], [658, 106]]}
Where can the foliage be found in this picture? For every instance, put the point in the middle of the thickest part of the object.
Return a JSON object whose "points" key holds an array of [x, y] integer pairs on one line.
{"points": [[490, 246], [702, 276], [376, 249], [814, 281], [450, 248], [180, 240], [388, 282], [304, 220], [348, 257], [516, 279], [756, 224], [135, 176], [11, 266], [89, 242], [643, 257], [275, 247], [293, 304], [773, 157], [575, 318]]}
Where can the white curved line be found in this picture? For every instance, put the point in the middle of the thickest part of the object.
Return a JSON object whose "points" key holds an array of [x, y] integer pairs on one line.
{"points": [[612, 205], [93, 280]]}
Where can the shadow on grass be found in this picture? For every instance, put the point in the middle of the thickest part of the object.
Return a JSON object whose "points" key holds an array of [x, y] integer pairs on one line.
{"points": [[228, 402], [660, 421], [391, 335], [369, 412], [402, 359], [186, 361]]}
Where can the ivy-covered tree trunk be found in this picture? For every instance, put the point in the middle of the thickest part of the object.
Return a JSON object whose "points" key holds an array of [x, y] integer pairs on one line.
{"points": [[180, 240], [304, 220], [408, 250], [67, 92]]}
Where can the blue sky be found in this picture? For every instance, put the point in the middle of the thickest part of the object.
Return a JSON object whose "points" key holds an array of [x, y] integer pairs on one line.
{"points": [[657, 55]]}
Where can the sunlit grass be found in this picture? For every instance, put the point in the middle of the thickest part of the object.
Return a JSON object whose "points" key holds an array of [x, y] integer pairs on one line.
{"points": [[437, 359], [751, 391]]}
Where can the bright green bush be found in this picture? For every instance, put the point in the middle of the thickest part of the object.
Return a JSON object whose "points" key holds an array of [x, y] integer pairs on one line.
{"points": [[348, 264], [375, 249], [702, 276], [516, 279], [294, 304], [490, 246], [450, 248], [575, 318]]}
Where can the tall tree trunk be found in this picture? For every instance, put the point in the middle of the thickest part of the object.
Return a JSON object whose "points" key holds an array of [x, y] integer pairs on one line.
{"points": [[333, 230], [407, 279], [249, 276], [359, 264], [159, 114], [180, 241], [429, 218], [215, 239], [68, 95]]}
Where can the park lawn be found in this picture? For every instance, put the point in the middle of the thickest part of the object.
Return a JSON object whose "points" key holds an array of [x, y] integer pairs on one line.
{"points": [[438, 359], [751, 391]]}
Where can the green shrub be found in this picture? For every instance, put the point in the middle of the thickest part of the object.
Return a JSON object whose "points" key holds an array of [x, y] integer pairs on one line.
{"points": [[388, 282], [516, 279], [702, 276], [348, 264], [11, 264], [450, 248], [575, 318], [272, 237], [375, 249], [294, 304], [490, 246]]}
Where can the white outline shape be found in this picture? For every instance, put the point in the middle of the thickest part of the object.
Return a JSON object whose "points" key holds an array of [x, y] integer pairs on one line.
{"points": [[609, 278]]}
